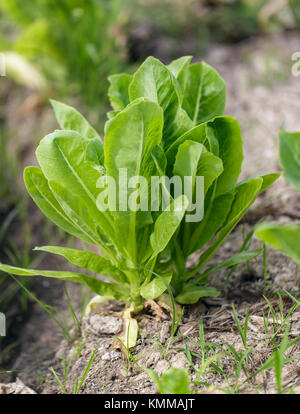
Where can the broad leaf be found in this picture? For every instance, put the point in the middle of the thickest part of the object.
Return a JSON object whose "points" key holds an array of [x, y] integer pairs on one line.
{"points": [[186, 164], [242, 257], [210, 167], [101, 288], [245, 195], [197, 134], [204, 93], [95, 154], [87, 260], [160, 160], [129, 140], [41, 193], [67, 276], [167, 223], [111, 114], [155, 82], [118, 291], [181, 124], [179, 68], [156, 287], [281, 236], [191, 294], [173, 381], [222, 137], [290, 157], [77, 210], [227, 133], [62, 157], [69, 118], [118, 90], [187, 159], [179, 65], [214, 217]]}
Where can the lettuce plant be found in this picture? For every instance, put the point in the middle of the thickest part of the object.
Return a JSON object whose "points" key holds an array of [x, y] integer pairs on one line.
{"points": [[166, 121], [285, 236]]}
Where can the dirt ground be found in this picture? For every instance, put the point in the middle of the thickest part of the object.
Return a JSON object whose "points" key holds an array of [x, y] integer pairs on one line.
{"points": [[113, 373], [263, 96]]}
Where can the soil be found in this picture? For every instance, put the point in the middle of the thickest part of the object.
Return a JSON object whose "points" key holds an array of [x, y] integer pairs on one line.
{"points": [[262, 95], [112, 372]]}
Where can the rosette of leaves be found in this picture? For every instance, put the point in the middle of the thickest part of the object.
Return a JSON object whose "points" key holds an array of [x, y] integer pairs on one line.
{"points": [[166, 121]]}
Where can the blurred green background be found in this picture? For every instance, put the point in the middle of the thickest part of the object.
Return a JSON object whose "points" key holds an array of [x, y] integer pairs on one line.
{"points": [[73, 45], [65, 49]]}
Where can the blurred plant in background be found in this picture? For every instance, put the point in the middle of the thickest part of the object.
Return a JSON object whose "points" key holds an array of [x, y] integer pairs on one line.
{"points": [[196, 24], [295, 7], [75, 43], [218, 20], [13, 208]]}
